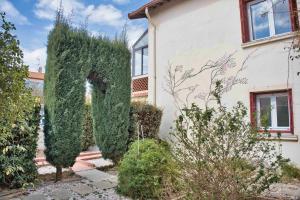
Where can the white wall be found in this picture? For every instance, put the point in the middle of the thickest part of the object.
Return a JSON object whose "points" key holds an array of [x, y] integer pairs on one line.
{"points": [[191, 32]]}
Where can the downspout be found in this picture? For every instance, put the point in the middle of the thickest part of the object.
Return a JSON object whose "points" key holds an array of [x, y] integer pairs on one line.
{"points": [[154, 54]]}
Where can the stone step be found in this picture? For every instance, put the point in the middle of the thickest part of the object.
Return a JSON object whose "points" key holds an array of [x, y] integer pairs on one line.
{"points": [[88, 155]]}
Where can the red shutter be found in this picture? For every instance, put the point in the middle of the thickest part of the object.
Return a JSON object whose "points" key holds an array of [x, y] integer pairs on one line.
{"points": [[294, 15], [252, 108], [244, 21], [290, 96]]}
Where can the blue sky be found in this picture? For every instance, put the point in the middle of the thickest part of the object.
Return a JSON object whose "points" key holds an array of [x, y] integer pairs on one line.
{"points": [[34, 19]]}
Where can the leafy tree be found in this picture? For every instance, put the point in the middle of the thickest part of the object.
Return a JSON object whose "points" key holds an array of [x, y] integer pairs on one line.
{"points": [[19, 113]]}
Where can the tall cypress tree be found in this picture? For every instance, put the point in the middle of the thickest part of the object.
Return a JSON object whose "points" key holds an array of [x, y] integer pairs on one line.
{"points": [[72, 58]]}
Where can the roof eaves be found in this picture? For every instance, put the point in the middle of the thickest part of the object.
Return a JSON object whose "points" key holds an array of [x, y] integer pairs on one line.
{"points": [[140, 12]]}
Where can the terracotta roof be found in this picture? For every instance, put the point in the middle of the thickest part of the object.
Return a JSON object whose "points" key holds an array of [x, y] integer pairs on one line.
{"points": [[140, 12], [36, 75]]}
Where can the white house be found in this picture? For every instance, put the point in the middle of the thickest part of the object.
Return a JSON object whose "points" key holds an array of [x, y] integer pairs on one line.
{"points": [[191, 32]]}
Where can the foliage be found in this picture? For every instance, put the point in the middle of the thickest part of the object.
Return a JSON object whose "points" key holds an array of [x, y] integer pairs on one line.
{"points": [[13, 95], [146, 118], [19, 114], [147, 170], [17, 154], [221, 154], [87, 137], [290, 171], [72, 57]]}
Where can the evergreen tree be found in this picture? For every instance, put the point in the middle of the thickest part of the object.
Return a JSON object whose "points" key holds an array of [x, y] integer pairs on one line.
{"points": [[74, 57]]}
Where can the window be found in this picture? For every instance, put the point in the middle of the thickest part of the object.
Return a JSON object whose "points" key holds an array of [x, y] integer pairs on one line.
{"points": [[272, 109], [140, 66], [266, 18], [140, 56]]}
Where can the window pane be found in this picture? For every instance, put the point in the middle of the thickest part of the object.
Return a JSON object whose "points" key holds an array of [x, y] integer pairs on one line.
{"points": [[143, 42], [259, 20], [281, 16], [138, 62], [265, 111], [282, 111], [145, 61]]}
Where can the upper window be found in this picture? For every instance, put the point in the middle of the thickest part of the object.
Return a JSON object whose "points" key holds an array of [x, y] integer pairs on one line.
{"points": [[273, 110], [140, 56], [266, 18]]}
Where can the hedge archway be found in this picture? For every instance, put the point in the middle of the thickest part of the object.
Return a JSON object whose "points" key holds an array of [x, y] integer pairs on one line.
{"points": [[72, 58]]}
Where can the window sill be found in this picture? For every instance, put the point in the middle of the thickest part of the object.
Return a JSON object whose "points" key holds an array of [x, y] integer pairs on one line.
{"points": [[268, 40], [285, 137], [139, 76]]}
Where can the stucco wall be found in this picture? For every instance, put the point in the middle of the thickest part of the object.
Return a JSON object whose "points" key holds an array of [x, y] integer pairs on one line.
{"points": [[191, 32]]}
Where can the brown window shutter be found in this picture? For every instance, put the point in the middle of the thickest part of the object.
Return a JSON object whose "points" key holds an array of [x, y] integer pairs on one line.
{"points": [[294, 15], [253, 108], [244, 21], [290, 96]]}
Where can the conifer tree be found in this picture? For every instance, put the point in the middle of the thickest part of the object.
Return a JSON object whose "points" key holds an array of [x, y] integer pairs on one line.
{"points": [[72, 58]]}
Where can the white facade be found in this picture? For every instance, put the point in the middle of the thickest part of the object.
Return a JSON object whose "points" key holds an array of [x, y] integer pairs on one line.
{"points": [[191, 32]]}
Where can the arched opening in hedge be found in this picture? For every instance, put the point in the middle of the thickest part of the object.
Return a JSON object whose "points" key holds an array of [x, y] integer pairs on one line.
{"points": [[73, 57]]}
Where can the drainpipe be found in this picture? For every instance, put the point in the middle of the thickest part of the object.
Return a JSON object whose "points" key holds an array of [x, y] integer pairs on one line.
{"points": [[154, 54]]}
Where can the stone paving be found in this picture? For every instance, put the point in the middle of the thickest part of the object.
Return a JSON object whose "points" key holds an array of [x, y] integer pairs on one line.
{"points": [[94, 184], [75, 190], [284, 191]]}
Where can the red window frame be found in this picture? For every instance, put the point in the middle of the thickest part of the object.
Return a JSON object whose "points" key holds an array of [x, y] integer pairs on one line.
{"points": [[253, 96], [245, 21]]}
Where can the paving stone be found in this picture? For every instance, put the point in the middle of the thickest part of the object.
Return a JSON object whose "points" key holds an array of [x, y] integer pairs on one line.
{"points": [[61, 194], [34, 196], [100, 162], [82, 189], [95, 175], [283, 191], [104, 184]]}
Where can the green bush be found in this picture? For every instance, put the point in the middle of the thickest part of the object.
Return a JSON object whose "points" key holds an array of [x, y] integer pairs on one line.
{"points": [[290, 171], [18, 151], [87, 137], [147, 170], [19, 119], [146, 117]]}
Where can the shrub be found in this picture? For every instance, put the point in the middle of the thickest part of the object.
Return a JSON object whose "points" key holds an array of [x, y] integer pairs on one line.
{"points": [[147, 170], [290, 171], [216, 149], [87, 137], [18, 151], [19, 119], [221, 155], [146, 117]]}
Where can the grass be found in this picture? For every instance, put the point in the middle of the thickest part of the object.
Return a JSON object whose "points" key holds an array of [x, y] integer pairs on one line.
{"points": [[290, 172]]}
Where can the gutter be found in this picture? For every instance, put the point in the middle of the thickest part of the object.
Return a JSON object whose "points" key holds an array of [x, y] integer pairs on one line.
{"points": [[154, 54]]}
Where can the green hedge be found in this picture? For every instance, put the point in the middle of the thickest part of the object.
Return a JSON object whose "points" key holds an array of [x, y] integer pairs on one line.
{"points": [[87, 137], [146, 116], [147, 170], [73, 57]]}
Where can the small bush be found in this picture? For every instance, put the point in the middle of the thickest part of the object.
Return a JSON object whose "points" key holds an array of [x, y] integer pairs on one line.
{"points": [[290, 171], [17, 151], [87, 137], [147, 118], [147, 170]]}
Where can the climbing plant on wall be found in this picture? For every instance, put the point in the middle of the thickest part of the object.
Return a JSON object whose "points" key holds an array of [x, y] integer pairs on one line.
{"points": [[73, 58]]}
